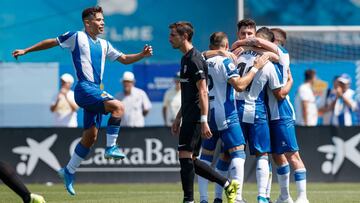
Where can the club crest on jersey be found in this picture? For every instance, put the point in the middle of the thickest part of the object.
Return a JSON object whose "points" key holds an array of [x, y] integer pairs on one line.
{"points": [[106, 95]]}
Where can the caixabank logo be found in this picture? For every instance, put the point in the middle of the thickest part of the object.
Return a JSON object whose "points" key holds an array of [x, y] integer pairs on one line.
{"points": [[148, 155], [33, 153], [340, 150]]}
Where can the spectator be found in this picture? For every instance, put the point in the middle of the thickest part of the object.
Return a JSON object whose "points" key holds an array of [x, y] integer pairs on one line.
{"points": [[137, 103], [305, 101], [327, 109], [64, 106], [344, 106], [172, 102]]}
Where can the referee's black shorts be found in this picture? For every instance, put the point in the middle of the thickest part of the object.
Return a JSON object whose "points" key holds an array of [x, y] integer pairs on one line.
{"points": [[190, 137]]}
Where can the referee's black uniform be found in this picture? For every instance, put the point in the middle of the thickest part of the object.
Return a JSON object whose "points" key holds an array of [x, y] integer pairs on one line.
{"points": [[193, 69]]}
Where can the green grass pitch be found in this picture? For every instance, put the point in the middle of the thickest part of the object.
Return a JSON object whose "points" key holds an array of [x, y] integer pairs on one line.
{"points": [[168, 193]]}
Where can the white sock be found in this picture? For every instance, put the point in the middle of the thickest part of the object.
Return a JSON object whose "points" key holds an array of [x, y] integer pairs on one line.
{"points": [[218, 188], [262, 175], [74, 163], [237, 173], [300, 180], [203, 185], [268, 187], [111, 139], [283, 176]]}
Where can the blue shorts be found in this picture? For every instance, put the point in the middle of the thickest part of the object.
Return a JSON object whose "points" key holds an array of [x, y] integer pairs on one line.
{"points": [[231, 137], [258, 136], [91, 98], [283, 136]]}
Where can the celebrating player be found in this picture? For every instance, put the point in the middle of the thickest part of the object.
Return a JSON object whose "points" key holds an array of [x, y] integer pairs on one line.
{"points": [[88, 54], [223, 81]]}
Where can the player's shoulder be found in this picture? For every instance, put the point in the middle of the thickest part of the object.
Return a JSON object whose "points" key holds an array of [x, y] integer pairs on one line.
{"points": [[282, 49]]}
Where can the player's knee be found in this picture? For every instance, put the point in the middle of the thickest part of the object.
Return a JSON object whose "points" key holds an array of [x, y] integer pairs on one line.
{"points": [[279, 159], [294, 158]]}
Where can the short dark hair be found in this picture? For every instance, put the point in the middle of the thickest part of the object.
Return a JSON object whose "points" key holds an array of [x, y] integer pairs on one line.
{"points": [[217, 39], [309, 74], [265, 33], [280, 35], [183, 27], [247, 22], [91, 12]]}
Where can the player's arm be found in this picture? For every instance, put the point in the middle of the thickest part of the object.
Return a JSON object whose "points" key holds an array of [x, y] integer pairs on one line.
{"points": [[45, 44], [282, 92], [255, 42], [240, 83], [212, 53], [272, 56], [131, 58], [204, 107]]}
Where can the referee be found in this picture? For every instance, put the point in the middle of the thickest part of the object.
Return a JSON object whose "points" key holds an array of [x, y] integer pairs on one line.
{"points": [[193, 115]]}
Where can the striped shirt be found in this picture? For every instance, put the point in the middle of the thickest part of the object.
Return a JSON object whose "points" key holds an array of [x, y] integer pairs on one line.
{"points": [[252, 101], [88, 55], [221, 93], [281, 109]]}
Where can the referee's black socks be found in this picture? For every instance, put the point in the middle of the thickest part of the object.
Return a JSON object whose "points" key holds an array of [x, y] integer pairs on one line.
{"points": [[187, 178]]}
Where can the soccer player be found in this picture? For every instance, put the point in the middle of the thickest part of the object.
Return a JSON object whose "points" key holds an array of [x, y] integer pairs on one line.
{"points": [[193, 114], [252, 109], [89, 53], [9, 177], [223, 81], [282, 128]]}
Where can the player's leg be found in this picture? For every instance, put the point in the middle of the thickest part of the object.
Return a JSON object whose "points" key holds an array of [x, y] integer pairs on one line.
{"points": [[259, 144], [234, 142], [116, 108], [279, 132], [299, 174], [92, 122], [222, 167], [290, 149], [283, 177], [208, 147], [269, 184], [187, 138], [12, 180]]}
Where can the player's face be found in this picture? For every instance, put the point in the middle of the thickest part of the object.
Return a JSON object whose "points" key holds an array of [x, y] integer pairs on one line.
{"points": [[246, 32], [175, 39], [96, 24]]}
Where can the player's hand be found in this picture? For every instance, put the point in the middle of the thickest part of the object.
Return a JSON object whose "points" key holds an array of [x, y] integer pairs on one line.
{"points": [[18, 52], [175, 128], [205, 131], [147, 51], [237, 51], [261, 61]]}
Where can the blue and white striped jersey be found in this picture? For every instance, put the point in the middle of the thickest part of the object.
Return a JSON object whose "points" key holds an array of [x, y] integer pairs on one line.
{"points": [[221, 93], [281, 109], [252, 101], [88, 55]]}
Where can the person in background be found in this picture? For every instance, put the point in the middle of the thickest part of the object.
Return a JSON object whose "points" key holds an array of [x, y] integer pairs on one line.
{"points": [[344, 106], [327, 109], [136, 101], [305, 101], [172, 102], [64, 106]]}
